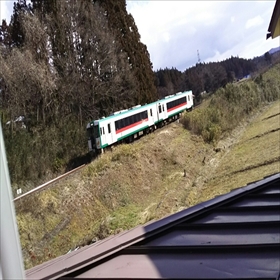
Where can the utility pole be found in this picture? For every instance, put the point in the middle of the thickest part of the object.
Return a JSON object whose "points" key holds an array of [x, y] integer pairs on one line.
{"points": [[198, 57]]}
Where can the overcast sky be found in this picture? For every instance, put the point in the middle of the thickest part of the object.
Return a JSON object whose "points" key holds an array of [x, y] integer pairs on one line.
{"points": [[175, 31]]}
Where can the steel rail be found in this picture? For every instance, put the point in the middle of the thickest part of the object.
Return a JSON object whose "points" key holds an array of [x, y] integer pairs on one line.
{"points": [[43, 186]]}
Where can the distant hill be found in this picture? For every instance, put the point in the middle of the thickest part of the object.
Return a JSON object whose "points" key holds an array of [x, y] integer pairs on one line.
{"points": [[274, 50]]}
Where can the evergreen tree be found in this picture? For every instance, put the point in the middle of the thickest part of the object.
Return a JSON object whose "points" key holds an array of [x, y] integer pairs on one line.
{"points": [[16, 29], [267, 57], [123, 26], [5, 34]]}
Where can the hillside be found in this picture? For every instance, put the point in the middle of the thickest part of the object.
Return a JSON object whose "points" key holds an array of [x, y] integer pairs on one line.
{"points": [[155, 176], [66, 63]]}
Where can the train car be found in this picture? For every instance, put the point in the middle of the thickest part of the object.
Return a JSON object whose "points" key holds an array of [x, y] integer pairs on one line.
{"points": [[121, 125], [177, 103], [127, 124]]}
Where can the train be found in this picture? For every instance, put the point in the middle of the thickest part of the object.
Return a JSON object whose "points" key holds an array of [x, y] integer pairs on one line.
{"points": [[128, 124]]}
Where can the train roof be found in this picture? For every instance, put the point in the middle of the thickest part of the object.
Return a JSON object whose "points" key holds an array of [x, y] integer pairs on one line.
{"points": [[139, 107], [233, 236]]}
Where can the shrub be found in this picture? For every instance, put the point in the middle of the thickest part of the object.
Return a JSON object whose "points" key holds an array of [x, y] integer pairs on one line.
{"points": [[229, 105], [124, 151]]}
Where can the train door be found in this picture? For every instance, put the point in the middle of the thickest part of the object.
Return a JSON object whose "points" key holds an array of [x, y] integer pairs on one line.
{"points": [[160, 111], [164, 110], [152, 116], [110, 134], [102, 140]]}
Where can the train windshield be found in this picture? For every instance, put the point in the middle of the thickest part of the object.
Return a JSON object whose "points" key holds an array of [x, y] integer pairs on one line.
{"points": [[96, 131], [93, 132], [90, 132]]}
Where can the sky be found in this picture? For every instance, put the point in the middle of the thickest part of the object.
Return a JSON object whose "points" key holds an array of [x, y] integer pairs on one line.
{"points": [[180, 33], [175, 32]]}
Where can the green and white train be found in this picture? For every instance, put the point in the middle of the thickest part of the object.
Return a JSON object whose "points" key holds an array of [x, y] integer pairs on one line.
{"points": [[128, 124]]}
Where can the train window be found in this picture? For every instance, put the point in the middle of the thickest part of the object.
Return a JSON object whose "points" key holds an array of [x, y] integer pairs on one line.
{"points": [[151, 112], [109, 128], [100, 130], [168, 105], [176, 102], [90, 132], [103, 130], [159, 109], [126, 121], [188, 97], [162, 107], [117, 125], [96, 131]]}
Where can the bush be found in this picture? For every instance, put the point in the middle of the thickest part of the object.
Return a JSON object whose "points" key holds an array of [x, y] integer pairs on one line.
{"points": [[36, 151], [229, 105], [124, 151]]}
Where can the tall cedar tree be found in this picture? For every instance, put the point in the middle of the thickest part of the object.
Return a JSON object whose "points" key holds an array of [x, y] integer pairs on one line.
{"points": [[94, 74], [127, 34], [16, 28]]}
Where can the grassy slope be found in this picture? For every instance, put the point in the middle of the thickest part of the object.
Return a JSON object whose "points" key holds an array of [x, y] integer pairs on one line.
{"points": [[256, 154], [155, 176], [145, 180]]}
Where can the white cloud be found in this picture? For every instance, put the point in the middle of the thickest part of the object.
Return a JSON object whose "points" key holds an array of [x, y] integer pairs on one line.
{"points": [[253, 22], [6, 9], [166, 36], [174, 30]]}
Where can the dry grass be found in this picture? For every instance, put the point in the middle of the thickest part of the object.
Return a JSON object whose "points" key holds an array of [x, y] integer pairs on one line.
{"points": [[136, 183], [255, 155]]}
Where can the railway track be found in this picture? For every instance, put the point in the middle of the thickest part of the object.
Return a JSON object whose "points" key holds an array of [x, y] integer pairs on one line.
{"points": [[48, 184]]}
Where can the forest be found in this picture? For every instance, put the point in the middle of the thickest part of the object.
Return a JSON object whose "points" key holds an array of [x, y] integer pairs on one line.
{"points": [[64, 63]]}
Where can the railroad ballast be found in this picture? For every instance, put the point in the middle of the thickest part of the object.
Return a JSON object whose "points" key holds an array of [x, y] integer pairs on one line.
{"points": [[127, 124]]}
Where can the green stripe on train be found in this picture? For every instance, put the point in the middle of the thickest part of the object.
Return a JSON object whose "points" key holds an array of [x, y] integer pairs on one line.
{"points": [[104, 146], [159, 121]]}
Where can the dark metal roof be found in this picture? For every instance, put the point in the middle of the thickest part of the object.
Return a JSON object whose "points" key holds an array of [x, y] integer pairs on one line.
{"points": [[233, 236], [274, 25]]}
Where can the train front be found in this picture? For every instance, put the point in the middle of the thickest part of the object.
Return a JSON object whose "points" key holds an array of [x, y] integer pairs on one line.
{"points": [[93, 133]]}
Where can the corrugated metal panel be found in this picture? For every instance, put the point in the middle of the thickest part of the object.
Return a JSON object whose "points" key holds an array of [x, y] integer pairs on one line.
{"points": [[234, 236]]}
